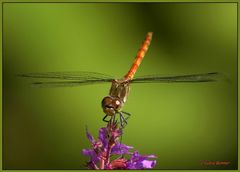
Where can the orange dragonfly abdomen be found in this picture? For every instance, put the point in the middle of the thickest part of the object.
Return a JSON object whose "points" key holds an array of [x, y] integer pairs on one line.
{"points": [[141, 53]]}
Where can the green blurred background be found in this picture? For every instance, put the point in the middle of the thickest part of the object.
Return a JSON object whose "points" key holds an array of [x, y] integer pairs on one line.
{"points": [[183, 124]]}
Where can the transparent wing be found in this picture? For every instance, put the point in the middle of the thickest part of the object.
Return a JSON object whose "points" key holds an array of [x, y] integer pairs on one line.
{"points": [[204, 77], [68, 79], [80, 76], [69, 83]]}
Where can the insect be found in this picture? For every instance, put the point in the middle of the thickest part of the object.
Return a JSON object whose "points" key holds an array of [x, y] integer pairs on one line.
{"points": [[113, 103]]}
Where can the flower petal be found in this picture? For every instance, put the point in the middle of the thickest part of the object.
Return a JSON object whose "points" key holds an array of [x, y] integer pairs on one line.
{"points": [[121, 149], [94, 157], [150, 156], [103, 136], [87, 152], [148, 163], [138, 161], [89, 136]]}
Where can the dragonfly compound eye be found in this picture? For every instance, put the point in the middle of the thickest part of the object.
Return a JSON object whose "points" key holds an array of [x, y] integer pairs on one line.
{"points": [[107, 101], [107, 105], [117, 104]]}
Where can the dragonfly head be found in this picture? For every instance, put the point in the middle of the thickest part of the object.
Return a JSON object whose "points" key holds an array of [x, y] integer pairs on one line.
{"points": [[111, 105]]}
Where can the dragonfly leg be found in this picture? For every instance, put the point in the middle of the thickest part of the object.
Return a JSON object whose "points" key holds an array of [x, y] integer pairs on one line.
{"points": [[112, 120], [104, 118], [126, 113], [123, 120]]}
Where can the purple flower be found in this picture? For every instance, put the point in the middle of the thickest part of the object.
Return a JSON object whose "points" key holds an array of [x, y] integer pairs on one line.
{"points": [[120, 149], [89, 136], [138, 161], [103, 136], [92, 154], [107, 145]]}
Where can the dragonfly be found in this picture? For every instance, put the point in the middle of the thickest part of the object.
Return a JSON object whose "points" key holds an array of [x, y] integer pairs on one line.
{"points": [[113, 103]]}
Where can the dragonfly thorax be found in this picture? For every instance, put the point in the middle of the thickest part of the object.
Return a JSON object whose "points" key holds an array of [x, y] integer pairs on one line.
{"points": [[120, 89], [117, 97]]}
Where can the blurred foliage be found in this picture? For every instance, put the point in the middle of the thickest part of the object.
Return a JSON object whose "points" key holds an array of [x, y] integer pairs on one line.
{"points": [[183, 124]]}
